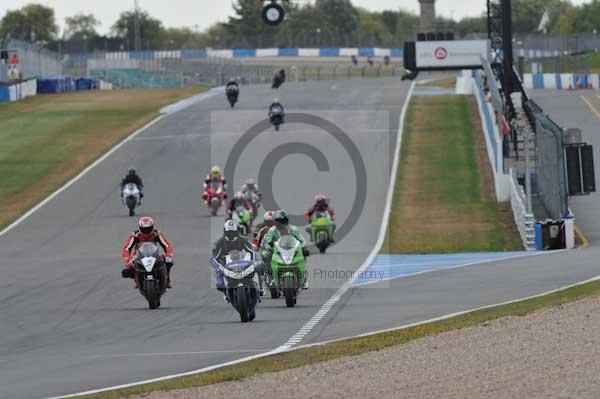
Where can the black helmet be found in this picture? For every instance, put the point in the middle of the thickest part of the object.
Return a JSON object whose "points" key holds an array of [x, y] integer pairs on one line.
{"points": [[231, 230], [281, 217], [131, 171]]}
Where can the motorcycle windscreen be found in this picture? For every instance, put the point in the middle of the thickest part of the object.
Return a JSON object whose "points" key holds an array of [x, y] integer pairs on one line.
{"points": [[149, 249]]}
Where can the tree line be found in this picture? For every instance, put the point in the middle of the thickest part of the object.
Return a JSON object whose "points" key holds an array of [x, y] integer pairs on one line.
{"points": [[324, 23]]}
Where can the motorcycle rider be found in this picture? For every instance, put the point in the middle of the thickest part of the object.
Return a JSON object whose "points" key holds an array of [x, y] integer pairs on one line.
{"points": [[133, 177], [321, 205], [274, 104], [237, 201], [282, 227], [232, 85], [214, 175], [251, 186], [230, 241], [263, 228], [146, 233]]}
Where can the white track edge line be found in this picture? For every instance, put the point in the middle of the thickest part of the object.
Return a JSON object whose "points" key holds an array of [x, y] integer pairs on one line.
{"points": [[286, 347], [384, 222], [79, 176], [449, 315], [68, 184]]}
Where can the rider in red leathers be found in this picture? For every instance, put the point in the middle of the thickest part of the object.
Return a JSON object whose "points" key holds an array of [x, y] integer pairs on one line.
{"points": [[146, 233], [214, 175], [321, 205]]}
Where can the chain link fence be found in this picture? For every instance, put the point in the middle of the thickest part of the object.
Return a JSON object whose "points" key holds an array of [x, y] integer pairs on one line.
{"points": [[172, 71]]}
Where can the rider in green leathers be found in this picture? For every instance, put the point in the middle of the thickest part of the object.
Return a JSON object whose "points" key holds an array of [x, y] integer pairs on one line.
{"points": [[282, 227]]}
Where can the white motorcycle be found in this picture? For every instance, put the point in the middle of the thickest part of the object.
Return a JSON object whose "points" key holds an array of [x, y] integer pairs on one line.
{"points": [[131, 197]]}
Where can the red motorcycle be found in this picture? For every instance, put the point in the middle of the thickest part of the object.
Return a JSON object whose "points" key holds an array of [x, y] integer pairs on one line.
{"points": [[215, 197]]}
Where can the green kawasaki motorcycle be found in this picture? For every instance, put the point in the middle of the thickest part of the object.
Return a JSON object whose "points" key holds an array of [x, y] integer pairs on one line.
{"points": [[288, 266], [321, 230]]}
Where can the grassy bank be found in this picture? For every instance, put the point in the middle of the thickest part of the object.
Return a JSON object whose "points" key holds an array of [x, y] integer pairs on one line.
{"points": [[357, 346], [48, 139], [444, 198]]}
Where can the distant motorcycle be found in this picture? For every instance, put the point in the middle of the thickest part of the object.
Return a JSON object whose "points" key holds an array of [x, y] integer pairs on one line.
{"points": [[232, 92], [321, 230], [276, 115], [244, 219], [131, 197], [278, 79], [241, 279], [215, 197], [254, 200], [151, 273]]}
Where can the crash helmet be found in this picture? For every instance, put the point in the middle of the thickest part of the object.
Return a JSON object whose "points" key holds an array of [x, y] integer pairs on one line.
{"points": [[231, 230], [239, 196], [131, 171], [322, 200], [281, 217], [146, 225], [269, 218], [250, 183], [215, 171]]}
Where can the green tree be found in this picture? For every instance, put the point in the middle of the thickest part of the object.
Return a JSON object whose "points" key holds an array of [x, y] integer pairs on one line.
{"points": [[32, 23], [339, 17], [587, 18], [81, 26], [151, 29]]}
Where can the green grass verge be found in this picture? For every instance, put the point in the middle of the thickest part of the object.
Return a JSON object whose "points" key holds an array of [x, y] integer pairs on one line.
{"points": [[357, 346], [439, 201], [48, 139]]}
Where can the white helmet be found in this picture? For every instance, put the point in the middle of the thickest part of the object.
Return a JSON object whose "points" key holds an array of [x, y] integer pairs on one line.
{"points": [[231, 230]]}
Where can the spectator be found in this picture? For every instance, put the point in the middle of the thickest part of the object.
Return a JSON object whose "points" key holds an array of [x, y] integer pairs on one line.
{"points": [[505, 136]]}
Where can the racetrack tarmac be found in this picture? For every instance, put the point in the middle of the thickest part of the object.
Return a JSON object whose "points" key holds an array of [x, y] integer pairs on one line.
{"points": [[69, 323]]}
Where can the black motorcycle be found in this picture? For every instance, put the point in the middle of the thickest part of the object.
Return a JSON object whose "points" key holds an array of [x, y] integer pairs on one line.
{"points": [[278, 79], [151, 273], [232, 92]]}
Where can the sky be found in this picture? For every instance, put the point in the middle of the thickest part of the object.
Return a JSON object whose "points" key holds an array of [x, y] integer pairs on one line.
{"points": [[200, 14]]}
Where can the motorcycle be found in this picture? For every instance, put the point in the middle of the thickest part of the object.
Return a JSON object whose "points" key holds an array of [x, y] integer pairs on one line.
{"points": [[278, 79], [131, 197], [243, 217], [232, 93], [215, 197], [276, 116], [321, 230], [241, 283], [254, 200], [151, 273], [288, 268]]}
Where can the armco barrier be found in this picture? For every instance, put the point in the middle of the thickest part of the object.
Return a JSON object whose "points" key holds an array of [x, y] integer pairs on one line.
{"points": [[18, 91], [568, 81]]}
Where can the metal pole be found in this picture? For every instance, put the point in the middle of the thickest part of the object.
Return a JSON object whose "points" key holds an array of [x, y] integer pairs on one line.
{"points": [[507, 46]]}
